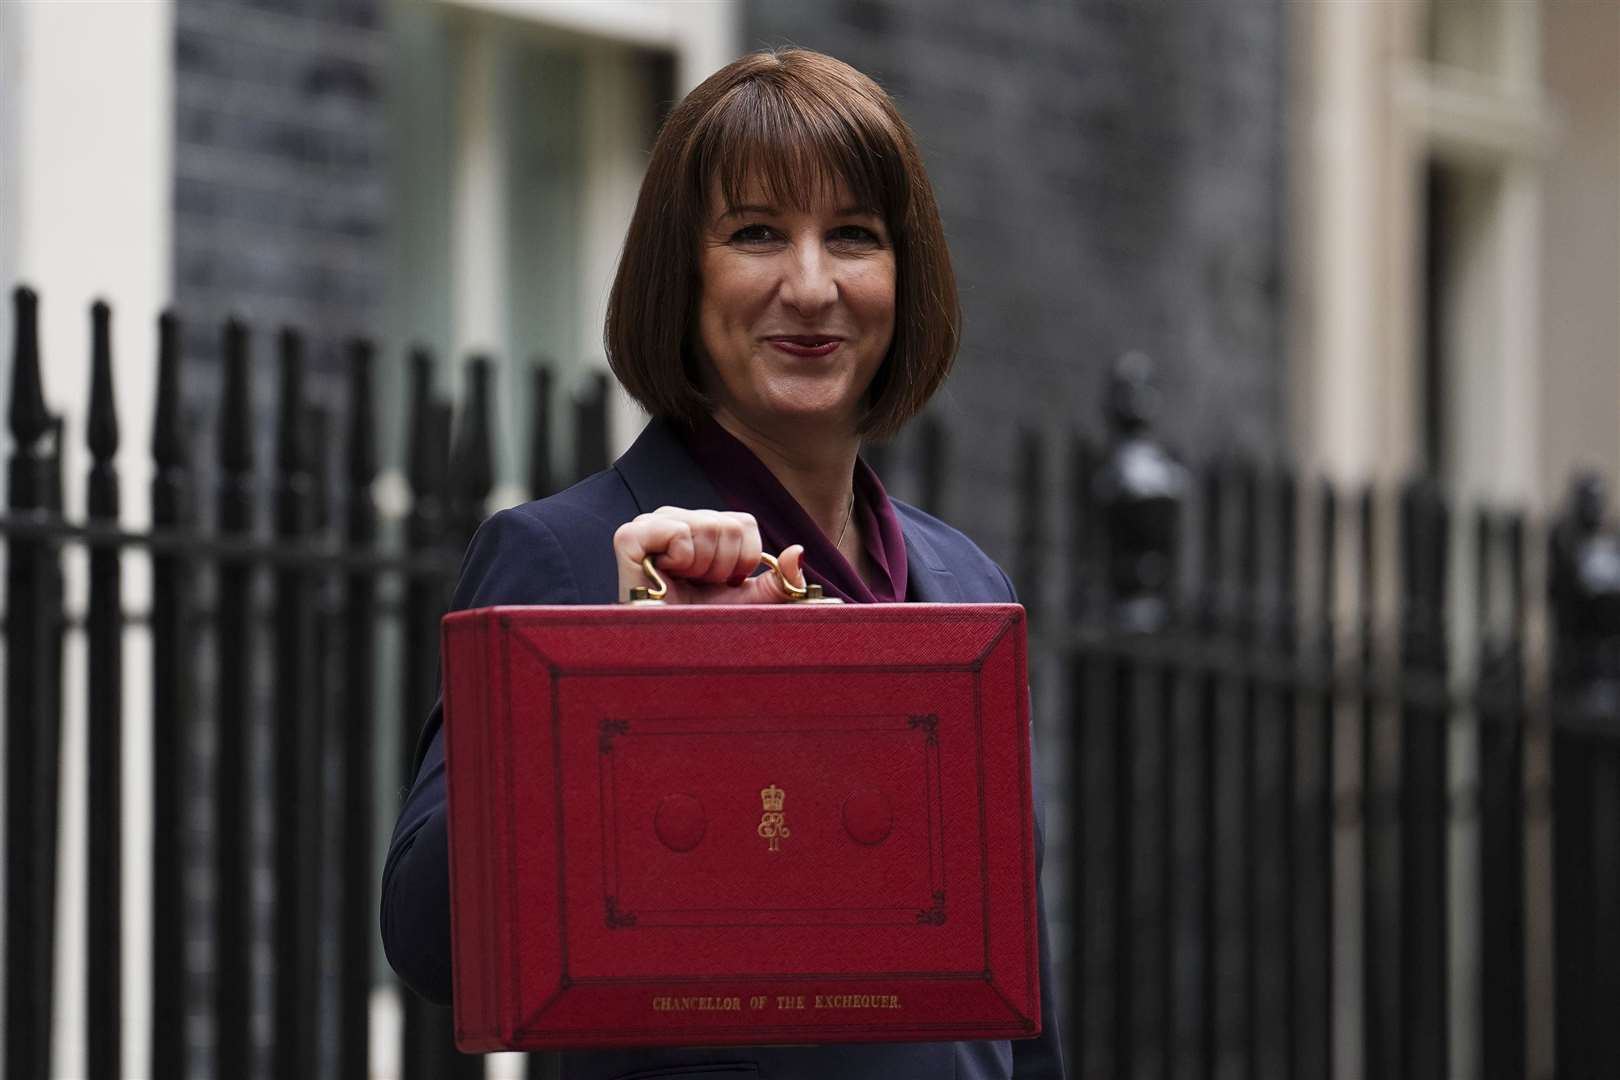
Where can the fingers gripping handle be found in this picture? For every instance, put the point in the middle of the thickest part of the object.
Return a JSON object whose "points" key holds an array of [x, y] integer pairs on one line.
{"points": [[798, 593]]}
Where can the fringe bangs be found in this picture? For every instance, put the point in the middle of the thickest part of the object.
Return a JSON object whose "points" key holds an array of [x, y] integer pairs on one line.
{"points": [[798, 144]]}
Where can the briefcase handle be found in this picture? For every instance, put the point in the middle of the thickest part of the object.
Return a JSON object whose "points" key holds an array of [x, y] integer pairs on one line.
{"points": [[808, 593]]}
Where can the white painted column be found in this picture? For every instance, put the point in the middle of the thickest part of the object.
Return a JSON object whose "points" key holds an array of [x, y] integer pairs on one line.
{"points": [[88, 190], [478, 195], [1337, 253], [1353, 256], [478, 226], [1334, 394]]}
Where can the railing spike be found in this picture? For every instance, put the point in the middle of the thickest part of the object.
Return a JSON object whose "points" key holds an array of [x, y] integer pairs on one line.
{"points": [[30, 420], [1513, 526], [420, 466], [104, 727], [237, 500], [436, 471], [317, 443], [362, 441], [292, 444], [1287, 525], [590, 428], [472, 459], [1327, 591], [170, 448], [236, 414], [356, 735], [295, 767], [541, 473], [1484, 540], [102, 429], [32, 632]]}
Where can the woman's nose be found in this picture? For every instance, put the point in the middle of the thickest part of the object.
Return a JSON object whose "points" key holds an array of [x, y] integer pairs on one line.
{"points": [[809, 283]]}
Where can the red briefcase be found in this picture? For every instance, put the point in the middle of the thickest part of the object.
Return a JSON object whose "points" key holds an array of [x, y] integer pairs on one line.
{"points": [[740, 825]]}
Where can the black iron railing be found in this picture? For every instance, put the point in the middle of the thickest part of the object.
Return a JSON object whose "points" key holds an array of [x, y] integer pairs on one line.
{"points": [[298, 584], [1213, 798], [1247, 691]]}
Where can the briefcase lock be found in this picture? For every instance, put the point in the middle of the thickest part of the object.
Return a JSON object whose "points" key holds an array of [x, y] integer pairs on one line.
{"points": [[808, 593]]}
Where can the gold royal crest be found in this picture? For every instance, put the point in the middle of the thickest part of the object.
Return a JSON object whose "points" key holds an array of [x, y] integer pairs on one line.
{"points": [[773, 824]]}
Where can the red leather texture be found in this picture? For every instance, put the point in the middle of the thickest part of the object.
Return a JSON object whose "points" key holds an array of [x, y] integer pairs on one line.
{"points": [[740, 825]]}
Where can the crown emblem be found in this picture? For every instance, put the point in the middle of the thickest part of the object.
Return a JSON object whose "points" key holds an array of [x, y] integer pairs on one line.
{"points": [[773, 823]]}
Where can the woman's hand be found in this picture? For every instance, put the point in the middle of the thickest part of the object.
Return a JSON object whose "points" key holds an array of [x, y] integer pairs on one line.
{"points": [[705, 556]]}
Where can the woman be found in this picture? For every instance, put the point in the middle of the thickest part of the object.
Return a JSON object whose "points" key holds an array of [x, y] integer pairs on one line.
{"points": [[785, 291]]}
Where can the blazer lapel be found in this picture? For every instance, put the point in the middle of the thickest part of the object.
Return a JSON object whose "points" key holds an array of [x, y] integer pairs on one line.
{"points": [[659, 472]]}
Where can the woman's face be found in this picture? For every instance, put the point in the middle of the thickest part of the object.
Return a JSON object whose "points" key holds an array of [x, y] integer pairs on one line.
{"points": [[796, 310]]}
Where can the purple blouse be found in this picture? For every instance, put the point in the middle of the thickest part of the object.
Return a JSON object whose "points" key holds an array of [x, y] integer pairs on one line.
{"points": [[746, 484]]}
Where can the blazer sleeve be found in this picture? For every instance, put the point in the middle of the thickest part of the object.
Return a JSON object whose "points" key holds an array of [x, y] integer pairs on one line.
{"points": [[1042, 1056], [514, 558]]}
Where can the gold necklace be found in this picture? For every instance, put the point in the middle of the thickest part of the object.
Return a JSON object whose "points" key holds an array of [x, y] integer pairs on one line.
{"points": [[848, 514]]}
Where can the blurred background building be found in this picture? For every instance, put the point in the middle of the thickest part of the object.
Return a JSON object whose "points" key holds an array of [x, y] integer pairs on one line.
{"points": [[1368, 238]]}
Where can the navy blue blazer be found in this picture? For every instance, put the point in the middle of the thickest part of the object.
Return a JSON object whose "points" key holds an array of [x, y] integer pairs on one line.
{"points": [[559, 550]]}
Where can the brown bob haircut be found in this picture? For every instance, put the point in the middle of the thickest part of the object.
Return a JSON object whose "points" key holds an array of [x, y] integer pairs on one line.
{"points": [[797, 121]]}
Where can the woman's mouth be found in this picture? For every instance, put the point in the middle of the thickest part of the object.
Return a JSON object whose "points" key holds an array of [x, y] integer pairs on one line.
{"points": [[806, 345]]}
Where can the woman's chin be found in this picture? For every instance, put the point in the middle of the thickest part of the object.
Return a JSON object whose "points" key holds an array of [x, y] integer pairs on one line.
{"points": [[803, 414]]}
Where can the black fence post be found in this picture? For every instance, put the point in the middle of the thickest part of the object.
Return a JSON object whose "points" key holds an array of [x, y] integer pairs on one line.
{"points": [[1383, 1017], [234, 646], [173, 516], [472, 458], [1312, 812], [470, 480], [104, 686], [1098, 925], [427, 471], [1501, 818], [33, 719], [1424, 719], [429, 1051], [1252, 1033], [1285, 629], [325, 826], [1274, 1021], [542, 475], [591, 453], [1216, 997], [1080, 683], [1584, 581], [1140, 491], [296, 771], [356, 734], [1084, 571]]}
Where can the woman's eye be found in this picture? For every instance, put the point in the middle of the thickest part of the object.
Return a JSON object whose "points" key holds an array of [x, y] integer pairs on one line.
{"points": [[753, 234], [855, 234]]}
